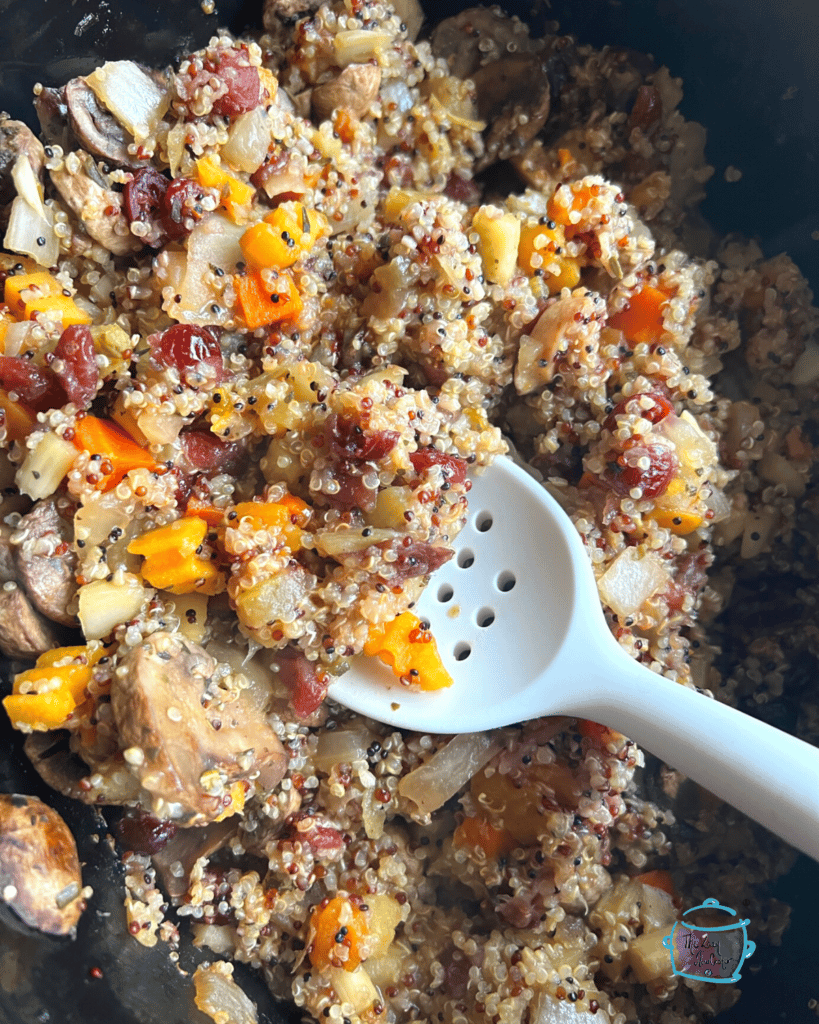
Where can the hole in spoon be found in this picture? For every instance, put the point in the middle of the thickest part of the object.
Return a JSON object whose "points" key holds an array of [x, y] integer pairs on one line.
{"points": [[485, 617], [506, 581], [462, 651], [483, 521], [445, 593], [466, 558]]}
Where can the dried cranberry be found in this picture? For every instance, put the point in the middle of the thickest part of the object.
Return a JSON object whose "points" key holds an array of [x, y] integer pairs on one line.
{"points": [[417, 559], [464, 190], [189, 350], [453, 466], [658, 410], [689, 579], [142, 833], [182, 205], [34, 385], [323, 841], [647, 109], [302, 679], [76, 365], [206, 453], [143, 196], [241, 78], [653, 480], [348, 440]]}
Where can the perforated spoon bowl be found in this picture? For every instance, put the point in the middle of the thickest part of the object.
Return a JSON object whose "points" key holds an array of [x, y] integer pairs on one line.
{"points": [[518, 622]]}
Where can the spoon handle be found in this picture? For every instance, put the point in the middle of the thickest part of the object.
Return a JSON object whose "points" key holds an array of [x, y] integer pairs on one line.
{"points": [[767, 774]]}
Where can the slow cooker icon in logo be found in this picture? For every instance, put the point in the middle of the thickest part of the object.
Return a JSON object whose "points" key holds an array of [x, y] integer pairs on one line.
{"points": [[705, 948]]}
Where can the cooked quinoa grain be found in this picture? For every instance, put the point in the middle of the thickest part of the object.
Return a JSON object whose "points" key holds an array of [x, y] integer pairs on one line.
{"points": [[280, 323]]}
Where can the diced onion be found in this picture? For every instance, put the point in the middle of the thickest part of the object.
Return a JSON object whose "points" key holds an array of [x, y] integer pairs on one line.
{"points": [[219, 938], [249, 140], [341, 746], [26, 229], [344, 542], [104, 605], [430, 786], [218, 995], [28, 188], [354, 987], [631, 580], [45, 466], [133, 97], [550, 1010]]}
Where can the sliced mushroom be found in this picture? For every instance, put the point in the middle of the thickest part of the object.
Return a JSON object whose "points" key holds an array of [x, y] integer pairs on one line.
{"points": [[286, 10], [96, 128], [46, 561], [557, 328], [353, 90], [52, 113], [478, 35], [24, 633], [514, 98], [17, 139], [175, 861], [99, 208], [39, 868], [51, 755], [185, 745], [8, 568]]}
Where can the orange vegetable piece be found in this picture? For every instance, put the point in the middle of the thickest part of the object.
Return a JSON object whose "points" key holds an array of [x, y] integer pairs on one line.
{"points": [[594, 731], [344, 126], [213, 516], [568, 199], [658, 880], [26, 295], [44, 697], [477, 832], [288, 517], [410, 651], [642, 319], [118, 450], [261, 304], [339, 928], [172, 559], [19, 419]]}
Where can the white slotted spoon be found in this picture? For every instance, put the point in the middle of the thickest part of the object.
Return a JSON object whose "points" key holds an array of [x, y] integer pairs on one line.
{"points": [[518, 622]]}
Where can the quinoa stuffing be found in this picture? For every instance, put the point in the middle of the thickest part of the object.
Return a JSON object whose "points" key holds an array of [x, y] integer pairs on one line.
{"points": [[264, 316]]}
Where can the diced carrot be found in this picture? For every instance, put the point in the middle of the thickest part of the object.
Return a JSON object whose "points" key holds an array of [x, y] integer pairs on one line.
{"points": [[477, 832], [261, 304], [642, 318], [40, 293], [213, 516], [116, 448], [659, 879], [599, 733], [538, 240], [18, 418], [283, 237], [235, 193], [44, 697], [679, 521], [410, 651], [566, 200], [288, 517], [172, 559], [339, 928], [182, 536], [344, 125]]}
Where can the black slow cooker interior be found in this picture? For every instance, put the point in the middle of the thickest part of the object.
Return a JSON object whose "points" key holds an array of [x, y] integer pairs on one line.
{"points": [[751, 76]]}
